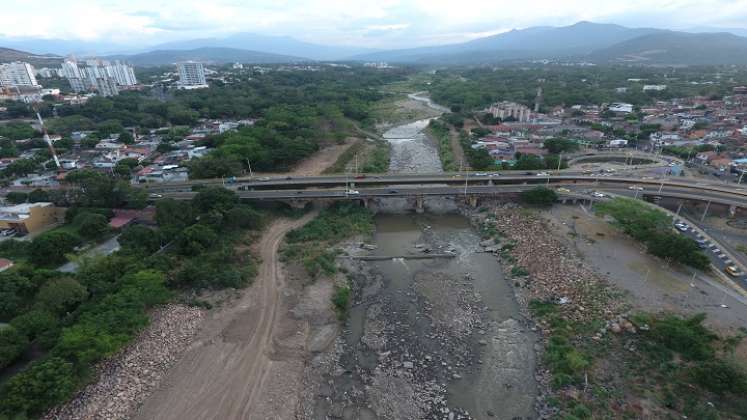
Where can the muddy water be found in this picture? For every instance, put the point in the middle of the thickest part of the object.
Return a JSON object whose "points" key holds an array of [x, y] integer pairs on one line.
{"points": [[438, 338]]}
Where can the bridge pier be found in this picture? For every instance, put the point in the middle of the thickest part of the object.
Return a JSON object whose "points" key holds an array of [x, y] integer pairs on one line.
{"points": [[679, 207], [419, 204], [705, 212], [732, 211], [490, 182], [472, 201]]}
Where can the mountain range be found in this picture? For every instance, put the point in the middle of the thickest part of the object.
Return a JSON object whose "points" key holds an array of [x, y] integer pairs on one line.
{"points": [[583, 41]]}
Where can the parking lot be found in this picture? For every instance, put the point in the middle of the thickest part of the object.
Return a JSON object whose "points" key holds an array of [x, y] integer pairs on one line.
{"points": [[717, 256]]}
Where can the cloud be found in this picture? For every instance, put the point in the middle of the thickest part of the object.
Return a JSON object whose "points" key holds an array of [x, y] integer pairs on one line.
{"points": [[381, 23]]}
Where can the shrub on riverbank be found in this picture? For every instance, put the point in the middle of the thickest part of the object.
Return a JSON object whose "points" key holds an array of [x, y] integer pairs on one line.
{"points": [[653, 228]]}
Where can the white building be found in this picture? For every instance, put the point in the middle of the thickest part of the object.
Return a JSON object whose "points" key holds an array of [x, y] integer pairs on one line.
{"points": [[101, 76], [621, 107], [123, 74], [191, 75], [17, 74], [654, 88], [504, 110]]}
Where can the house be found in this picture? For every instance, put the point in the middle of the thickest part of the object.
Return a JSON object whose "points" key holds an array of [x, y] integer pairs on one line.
{"points": [[704, 157], [29, 217], [621, 107], [654, 88]]}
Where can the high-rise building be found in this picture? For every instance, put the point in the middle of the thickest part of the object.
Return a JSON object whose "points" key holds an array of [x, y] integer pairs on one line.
{"points": [[191, 75], [97, 75], [17, 74]]}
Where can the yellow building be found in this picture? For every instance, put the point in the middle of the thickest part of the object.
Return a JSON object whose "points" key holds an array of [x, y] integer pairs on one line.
{"points": [[28, 217]]}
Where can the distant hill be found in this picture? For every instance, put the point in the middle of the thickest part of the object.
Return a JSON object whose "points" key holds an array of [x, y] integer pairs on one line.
{"points": [[208, 55], [537, 42], [677, 48], [8, 55], [282, 45]]}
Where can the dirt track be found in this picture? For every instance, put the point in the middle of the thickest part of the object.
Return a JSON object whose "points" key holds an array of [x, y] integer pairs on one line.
{"points": [[222, 375]]}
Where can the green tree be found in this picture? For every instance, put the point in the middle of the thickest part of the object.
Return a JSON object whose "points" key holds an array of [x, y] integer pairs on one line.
{"points": [[16, 197], [38, 195], [12, 345], [557, 146], [35, 322], [126, 138], [61, 295], [141, 239], [243, 217], [91, 225], [42, 385], [215, 198], [196, 239], [539, 196], [49, 249]]}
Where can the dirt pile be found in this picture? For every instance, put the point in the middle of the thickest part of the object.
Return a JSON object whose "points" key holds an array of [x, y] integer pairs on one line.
{"points": [[124, 381]]}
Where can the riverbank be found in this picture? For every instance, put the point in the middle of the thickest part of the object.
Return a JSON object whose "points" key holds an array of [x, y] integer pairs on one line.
{"points": [[601, 357]]}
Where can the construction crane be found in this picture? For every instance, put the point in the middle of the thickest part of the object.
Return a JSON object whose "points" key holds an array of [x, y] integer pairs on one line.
{"points": [[48, 140]]}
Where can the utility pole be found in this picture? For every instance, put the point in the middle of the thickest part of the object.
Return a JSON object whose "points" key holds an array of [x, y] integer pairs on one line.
{"points": [[249, 164]]}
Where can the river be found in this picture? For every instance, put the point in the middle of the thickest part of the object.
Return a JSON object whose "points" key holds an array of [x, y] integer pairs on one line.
{"points": [[429, 338], [411, 150]]}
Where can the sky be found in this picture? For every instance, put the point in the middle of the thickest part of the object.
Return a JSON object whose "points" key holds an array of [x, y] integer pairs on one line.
{"points": [[364, 23]]}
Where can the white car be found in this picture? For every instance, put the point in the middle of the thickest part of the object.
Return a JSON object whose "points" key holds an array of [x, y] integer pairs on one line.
{"points": [[543, 174], [635, 188], [154, 195], [352, 192], [597, 194]]}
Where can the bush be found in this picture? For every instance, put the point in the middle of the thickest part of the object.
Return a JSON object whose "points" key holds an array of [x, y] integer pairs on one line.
{"points": [[141, 239], [12, 345], [243, 217], [341, 300], [49, 249], [540, 196], [35, 323], [16, 197], [720, 377], [91, 225], [686, 336], [61, 295], [333, 224], [14, 249], [196, 239], [39, 387]]}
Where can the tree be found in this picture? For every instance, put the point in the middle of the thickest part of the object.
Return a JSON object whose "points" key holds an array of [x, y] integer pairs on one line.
{"points": [[173, 216], [12, 345], [42, 385], [196, 239], [16, 197], [49, 249], [139, 238], [61, 295], [15, 291], [556, 146], [215, 198], [35, 322], [126, 138], [540, 196], [243, 217], [38, 195], [91, 225]]}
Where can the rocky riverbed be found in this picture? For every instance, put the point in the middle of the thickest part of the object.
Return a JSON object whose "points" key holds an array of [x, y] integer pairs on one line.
{"points": [[439, 338]]}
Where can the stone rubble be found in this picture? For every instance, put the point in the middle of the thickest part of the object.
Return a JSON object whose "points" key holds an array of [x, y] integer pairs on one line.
{"points": [[125, 380]]}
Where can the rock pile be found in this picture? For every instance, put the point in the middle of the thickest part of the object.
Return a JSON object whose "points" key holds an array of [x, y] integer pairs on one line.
{"points": [[125, 380], [555, 274]]}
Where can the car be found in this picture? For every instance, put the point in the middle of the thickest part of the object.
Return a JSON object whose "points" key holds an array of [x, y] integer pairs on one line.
{"points": [[682, 228], [702, 244], [154, 195], [360, 177], [299, 192], [393, 191], [528, 173], [563, 190], [352, 192], [264, 179], [543, 174], [598, 194], [732, 270], [288, 178], [635, 188]]}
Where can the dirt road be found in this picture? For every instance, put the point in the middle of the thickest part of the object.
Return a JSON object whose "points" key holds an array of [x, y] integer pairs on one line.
{"points": [[222, 375]]}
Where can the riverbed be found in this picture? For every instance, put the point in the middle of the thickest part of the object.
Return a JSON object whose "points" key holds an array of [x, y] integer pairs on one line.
{"points": [[431, 338], [411, 149]]}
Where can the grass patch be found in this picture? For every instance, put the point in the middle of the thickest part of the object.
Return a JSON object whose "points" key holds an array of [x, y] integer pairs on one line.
{"points": [[342, 161], [440, 133], [341, 301]]}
